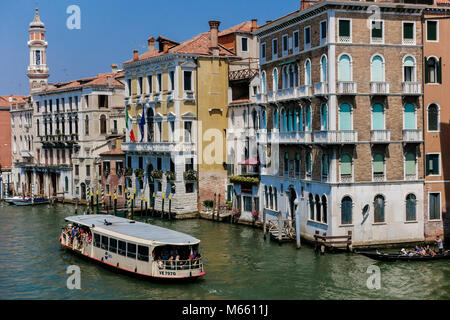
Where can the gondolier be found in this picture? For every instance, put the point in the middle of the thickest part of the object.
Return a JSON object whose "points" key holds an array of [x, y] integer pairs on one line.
{"points": [[439, 244]]}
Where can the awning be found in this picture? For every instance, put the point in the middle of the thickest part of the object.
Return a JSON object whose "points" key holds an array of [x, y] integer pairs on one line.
{"points": [[287, 62], [250, 162]]}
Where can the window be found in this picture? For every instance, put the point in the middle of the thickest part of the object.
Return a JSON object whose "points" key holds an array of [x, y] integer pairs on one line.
{"points": [[324, 209], [376, 35], [189, 187], [434, 206], [285, 44], [286, 164], [432, 165], [344, 30], [187, 131], [275, 79], [187, 76], [377, 69], [129, 86], [378, 208], [325, 165], [66, 184], [308, 119], [172, 80], [308, 164], [104, 243], [275, 119], [274, 48], [409, 33], [345, 117], [345, 68], [131, 250], [323, 118], [88, 170], [433, 71], [318, 211], [346, 165], [77, 169], [150, 84], [378, 164], [308, 72], [263, 51], [86, 125], [307, 37], [244, 43], [433, 117], [346, 210], [113, 245], [409, 69], [122, 248], [411, 207], [140, 85], [432, 30], [102, 124], [377, 117], [142, 253], [409, 117], [296, 41], [323, 69], [96, 240], [248, 204], [323, 32], [410, 165], [297, 165], [264, 84], [311, 206]]}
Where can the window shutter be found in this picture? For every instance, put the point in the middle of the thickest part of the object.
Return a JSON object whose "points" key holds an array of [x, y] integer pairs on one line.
{"points": [[427, 165], [427, 78], [344, 28], [378, 163], [408, 31], [435, 164], [439, 71]]}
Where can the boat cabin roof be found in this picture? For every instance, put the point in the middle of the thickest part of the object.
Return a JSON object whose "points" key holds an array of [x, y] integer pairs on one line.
{"points": [[130, 228]]}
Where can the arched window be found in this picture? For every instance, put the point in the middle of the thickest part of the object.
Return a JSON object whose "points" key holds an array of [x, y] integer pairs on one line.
{"points": [[102, 124], [345, 117], [409, 69], [308, 164], [311, 206], [291, 76], [308, 119], [345, 68], [275, 195], [323, 118], [377, 69], [324, 209], [323, 69], [86, 125], [308, 72], [271, 198], [263, 83], [286, 163], [284, 119], [346, 210], [411, 207], [409, 117], [318, 207], [378, 209], [38, 128], [263, 120], [275, 119], [325, 165], [290, 120], [410, 165], [275, 79], [254, 119], [284, 77], [433, 117], [295, 120], [300, 119], [266, 197], [377, 117], [432, 71], [295, 74]]}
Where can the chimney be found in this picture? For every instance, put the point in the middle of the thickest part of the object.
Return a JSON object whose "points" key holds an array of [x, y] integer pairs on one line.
{"points": [[108, 80], [254, 25], [114, 68], [135, 55], [151, 44], [214, 32], [305, 4], [268, 21]]}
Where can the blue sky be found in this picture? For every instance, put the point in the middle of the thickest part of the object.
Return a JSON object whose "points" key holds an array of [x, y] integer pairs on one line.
{"points": [[110, 30]]}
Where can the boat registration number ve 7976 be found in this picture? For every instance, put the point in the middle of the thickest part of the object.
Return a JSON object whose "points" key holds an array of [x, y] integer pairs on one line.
{"points": [[167, 273]]}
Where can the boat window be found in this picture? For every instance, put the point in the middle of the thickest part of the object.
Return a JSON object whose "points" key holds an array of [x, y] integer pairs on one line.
{"points": [[131, 250], [104, 242], [142, 253], [96, 240], [122, 248], [113, 245]]}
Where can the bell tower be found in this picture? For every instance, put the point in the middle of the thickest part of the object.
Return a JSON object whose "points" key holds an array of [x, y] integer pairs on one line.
{"points": [[37, 69]]}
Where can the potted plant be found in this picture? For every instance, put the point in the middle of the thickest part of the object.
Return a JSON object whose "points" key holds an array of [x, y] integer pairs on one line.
{"points": [[128, 172], [139, 173], [156, 174], [170, 175], [208, 204], [190, 175]]}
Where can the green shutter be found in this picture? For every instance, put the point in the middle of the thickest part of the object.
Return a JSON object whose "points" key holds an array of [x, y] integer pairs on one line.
{"points": [[427, 78], [344, 28], [377, 32], [378, 163], [435, 164], [427, 164], [408, 31], [431, 30], [410, 163], [346, 164], [439, 71]]}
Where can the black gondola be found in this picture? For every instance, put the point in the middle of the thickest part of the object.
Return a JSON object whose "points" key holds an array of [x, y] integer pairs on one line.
{"points": [[391, 257]]}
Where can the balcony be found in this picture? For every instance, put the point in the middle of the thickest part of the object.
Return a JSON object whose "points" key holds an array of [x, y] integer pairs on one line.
{"points": [[158, 147], [271, 96], [412, 136], [289, 137], [410, 176], [320, 88], [338, 136], [379, 87], [304, 91], [346, 178], [380, 136], [170, 95], [347, 87], [379, 177], [261, 98], [412, 88], [156, 97], [286, 94], [188, 95]]}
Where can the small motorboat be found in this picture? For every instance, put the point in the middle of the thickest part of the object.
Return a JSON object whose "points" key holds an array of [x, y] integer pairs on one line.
{"points": [[10, 200], [392, 257]]}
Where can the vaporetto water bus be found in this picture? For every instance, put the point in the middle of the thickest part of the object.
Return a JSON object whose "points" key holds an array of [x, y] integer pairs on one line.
{"points": [[133, 246]]}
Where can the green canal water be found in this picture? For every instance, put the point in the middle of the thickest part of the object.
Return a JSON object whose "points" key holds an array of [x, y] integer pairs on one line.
{"points": [[238, 262]]}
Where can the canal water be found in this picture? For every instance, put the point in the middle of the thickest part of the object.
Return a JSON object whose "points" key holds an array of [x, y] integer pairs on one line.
{"points": [[238, 262]]}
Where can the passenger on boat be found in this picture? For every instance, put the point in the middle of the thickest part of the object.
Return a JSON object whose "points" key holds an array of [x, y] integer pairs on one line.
{"points": [[429, 251], [440, 244]]}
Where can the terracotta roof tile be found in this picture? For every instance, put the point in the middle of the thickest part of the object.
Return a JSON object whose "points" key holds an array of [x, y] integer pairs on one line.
{"points": [[112, 152], [245, 26], [4, 100]]}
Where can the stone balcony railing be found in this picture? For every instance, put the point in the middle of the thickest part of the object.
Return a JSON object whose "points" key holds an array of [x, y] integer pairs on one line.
{"points": [[286, 94], [289, 137], [412, 88], [347, 87], [412, 135], [336, 136], [158, 147], [170, 95], [320, 88], [261, 98], [304, 91], [346, 178], [379, 87], [380, 135], [189, 95], [410, 177], [271, 96], [379, 177]]}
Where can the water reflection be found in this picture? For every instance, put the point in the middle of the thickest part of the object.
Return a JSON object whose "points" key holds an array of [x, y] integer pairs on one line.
{"points": [[238, 262]]}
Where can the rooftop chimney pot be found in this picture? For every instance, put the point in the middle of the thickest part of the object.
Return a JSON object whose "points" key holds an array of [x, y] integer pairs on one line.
{"points": [[135, 55], [114, 68], [214, 32], [254, 24]]}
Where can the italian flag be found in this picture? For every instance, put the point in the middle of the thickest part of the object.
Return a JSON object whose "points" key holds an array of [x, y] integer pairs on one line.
{"points": [[129, 126]]}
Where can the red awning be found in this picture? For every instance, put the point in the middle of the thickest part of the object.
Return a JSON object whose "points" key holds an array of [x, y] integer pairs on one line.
{"points": [[250, 162]]}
